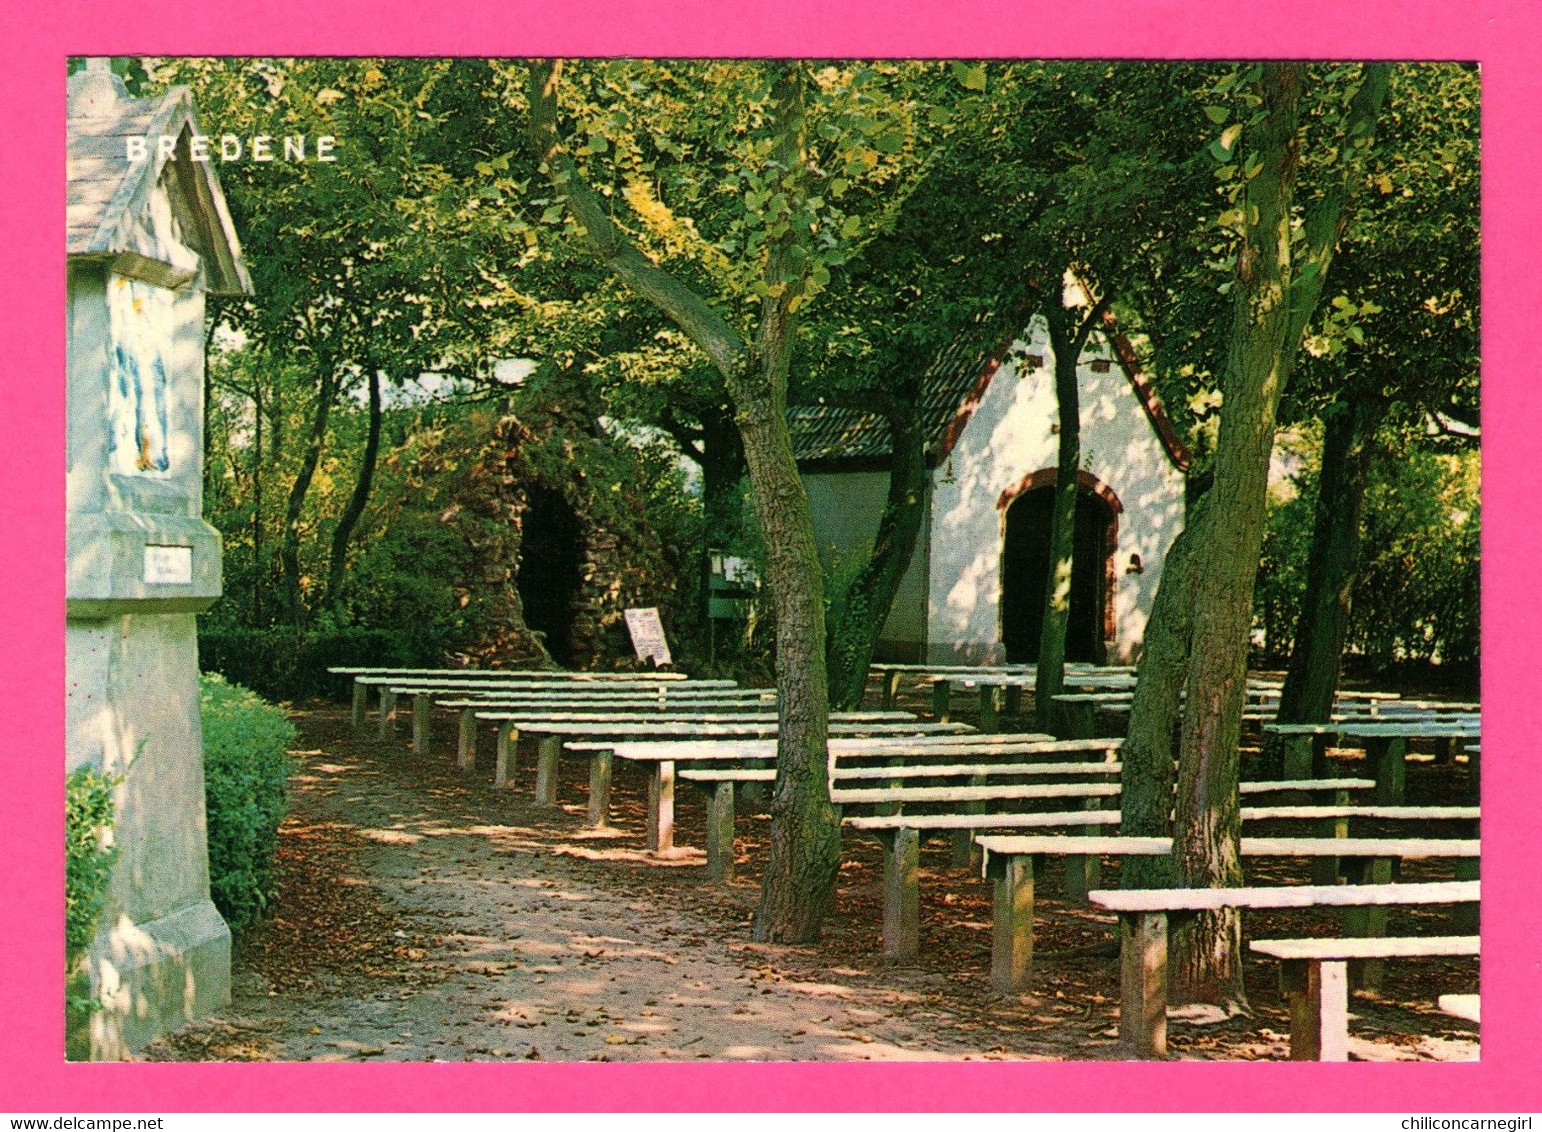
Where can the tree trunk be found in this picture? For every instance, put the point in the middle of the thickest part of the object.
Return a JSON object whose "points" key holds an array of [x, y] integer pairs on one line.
{"points": [[1311, 681], [722, 467], [804, 860], [360, 497], [289, 551], [1049, 677], [1148, 754], [804, 857], [1198, 637], [257, 506], [859, 614], [1205, 626]]}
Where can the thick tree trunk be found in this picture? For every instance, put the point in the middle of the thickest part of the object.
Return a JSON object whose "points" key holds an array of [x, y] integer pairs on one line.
{"points": [[289, 549], [1205, 626], [804, 857], [1311, 681], [859, 615], [360, 497], [1207, 819], [1198, 637], [804, 860]]}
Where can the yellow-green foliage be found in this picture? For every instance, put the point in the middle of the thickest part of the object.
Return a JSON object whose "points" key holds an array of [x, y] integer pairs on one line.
{"points": [[246, 767]]}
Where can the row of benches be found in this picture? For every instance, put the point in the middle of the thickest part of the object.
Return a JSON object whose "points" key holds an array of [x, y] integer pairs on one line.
{"points": [[1012, 861]]}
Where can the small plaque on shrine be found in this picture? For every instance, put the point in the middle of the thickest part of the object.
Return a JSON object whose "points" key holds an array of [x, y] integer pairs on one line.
{"points": [[168, 565]]}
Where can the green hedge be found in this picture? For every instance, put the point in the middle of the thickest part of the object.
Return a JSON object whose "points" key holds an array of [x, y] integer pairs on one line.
{"points": [[290, 664], [88, 820], [246, 767]]}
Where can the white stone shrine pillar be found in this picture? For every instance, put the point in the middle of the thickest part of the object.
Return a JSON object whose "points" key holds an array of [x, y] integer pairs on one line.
{"points": [[147, 238]]}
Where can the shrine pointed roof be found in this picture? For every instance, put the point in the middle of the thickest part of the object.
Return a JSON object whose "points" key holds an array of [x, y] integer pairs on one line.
{"points": [[109, 188], [830, 436]]}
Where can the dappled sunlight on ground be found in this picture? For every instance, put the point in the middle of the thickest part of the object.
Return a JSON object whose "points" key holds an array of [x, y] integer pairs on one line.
{"points": [[424, 915]]}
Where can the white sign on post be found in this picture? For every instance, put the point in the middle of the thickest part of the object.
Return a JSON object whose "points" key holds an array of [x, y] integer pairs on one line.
{"points": [[648, 636]]}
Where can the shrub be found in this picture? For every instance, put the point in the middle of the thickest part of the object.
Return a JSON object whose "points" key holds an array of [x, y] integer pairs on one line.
{"points": [[88, 861], [290, 664], [246, 767]]}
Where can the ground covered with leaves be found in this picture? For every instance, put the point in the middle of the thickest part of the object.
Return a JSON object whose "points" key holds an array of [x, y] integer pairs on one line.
{"points": [[422, 915]]}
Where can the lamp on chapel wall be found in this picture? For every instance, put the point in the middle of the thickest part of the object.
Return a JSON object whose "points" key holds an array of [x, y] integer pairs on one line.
{"points": [[1135, 566]]}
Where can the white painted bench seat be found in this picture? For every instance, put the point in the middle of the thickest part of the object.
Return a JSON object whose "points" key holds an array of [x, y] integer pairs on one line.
{"points": [[1012, 861], [1002, 793], [1314, 980], [1465, 1006]]}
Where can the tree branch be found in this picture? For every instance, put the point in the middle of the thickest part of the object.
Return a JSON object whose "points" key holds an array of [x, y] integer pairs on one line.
{"points": [[706, 327]]}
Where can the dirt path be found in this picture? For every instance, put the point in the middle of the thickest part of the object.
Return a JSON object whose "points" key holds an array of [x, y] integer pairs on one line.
{"points": [[423, 916]]}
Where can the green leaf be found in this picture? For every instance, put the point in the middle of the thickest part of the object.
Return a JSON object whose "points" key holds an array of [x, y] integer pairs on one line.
{"points": [[1217, 114], [970, 76], [850, 227]]}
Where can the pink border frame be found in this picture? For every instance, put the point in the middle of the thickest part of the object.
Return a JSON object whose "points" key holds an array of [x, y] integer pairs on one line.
{"points": [[1503, 34]]}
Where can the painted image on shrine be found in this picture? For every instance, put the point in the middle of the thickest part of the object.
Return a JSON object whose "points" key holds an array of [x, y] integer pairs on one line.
{"points": [[772, 560]]}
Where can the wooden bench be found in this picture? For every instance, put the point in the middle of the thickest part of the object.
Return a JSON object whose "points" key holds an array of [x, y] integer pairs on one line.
{"points": [[595, 703], [1011, 861], [1314, 980], [1465, 1006], [600, 740], [423, 691], [361, 689], [528, 718], [889, 674], [1385, 742], [720, 784]]}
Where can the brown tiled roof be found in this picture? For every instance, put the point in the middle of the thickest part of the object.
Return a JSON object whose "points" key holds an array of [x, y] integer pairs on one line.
{"points": [[950, 391], [951, 386]]}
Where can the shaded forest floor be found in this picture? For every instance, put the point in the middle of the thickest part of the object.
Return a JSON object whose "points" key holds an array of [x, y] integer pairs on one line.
{"points": [[422, 915]]}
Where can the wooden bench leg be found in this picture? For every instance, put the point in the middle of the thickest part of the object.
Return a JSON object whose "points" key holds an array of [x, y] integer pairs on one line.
{"points": [[1370, 923], [1466, 915], [990, 708], [1012, 926], [891, 684], [1298, 757], [661, 807], [421, 707], [1073, 721], [1084, 871], [360, 702], [1325, 870], [901, 894], [966, 854], [942, 700], [1143, 983], [507, 757], [387, 713], [720, 833], [600, 768], [1317, 994], [1388, 767], [466, 745], [547, 754]]}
